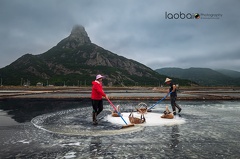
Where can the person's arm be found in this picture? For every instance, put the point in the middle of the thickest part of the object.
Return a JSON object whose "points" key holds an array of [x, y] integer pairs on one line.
{"points": [[100, 90], [174, 88]]}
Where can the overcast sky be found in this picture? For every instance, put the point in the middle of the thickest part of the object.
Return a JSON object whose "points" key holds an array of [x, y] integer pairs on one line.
{"points": [[135, 29]]}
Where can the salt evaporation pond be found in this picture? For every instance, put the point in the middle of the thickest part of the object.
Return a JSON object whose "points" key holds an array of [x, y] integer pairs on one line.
{"points": [[203, 130]]}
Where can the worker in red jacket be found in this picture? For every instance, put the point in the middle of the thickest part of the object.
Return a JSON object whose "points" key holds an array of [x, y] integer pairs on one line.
{"points": [[96, 96]]}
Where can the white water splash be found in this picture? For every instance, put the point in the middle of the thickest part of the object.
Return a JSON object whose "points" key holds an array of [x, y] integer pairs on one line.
{"points": [[70, 155], [24, 141]]}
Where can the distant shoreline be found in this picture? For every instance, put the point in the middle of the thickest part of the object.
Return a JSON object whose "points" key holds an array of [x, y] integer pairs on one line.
{"points": [[118, 93]]}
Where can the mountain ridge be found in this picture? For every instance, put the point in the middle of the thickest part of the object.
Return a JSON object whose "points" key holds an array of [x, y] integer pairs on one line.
{"points": [[202, 76], [75, 60], [230, 73]]}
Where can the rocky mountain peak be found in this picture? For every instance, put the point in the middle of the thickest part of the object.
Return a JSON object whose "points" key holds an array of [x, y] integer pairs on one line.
{"points": [[77, 38], [79, 34]]}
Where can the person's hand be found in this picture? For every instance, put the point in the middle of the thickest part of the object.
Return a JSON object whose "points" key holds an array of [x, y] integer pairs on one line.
{"points": [[106, 97], [168, 93]]}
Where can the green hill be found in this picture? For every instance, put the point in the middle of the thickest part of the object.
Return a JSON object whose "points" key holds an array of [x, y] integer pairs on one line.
{"points": [[202, 76], [230, 73]]}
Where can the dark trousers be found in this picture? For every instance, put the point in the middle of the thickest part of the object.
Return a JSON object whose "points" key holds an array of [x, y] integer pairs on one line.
{"points": [[97, 106], [174, 104]]}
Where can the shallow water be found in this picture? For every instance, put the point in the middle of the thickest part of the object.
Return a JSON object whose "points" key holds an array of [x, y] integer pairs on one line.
{"points": [[53, 129]]}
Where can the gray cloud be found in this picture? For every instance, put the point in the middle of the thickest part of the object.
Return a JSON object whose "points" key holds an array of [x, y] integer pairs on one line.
{"points": [[136, 29]]}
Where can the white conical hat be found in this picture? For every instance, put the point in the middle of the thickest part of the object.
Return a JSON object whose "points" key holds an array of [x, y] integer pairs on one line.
{"points": [[167, 80]]}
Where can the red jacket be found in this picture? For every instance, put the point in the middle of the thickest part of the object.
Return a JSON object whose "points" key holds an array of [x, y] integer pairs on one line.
{"points": [[97, 91]]}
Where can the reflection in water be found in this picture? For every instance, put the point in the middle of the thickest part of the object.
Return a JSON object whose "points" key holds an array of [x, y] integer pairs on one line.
{"points": [[25, 110], [5, 119], [95, 147], [174, 137]]}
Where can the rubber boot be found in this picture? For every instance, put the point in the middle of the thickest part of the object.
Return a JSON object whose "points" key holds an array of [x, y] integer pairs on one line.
{"points": [[179, 109], [94, 117], [174, 110]]}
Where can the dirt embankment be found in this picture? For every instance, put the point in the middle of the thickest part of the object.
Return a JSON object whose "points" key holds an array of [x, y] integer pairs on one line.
{"points": [[120, 93]]}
